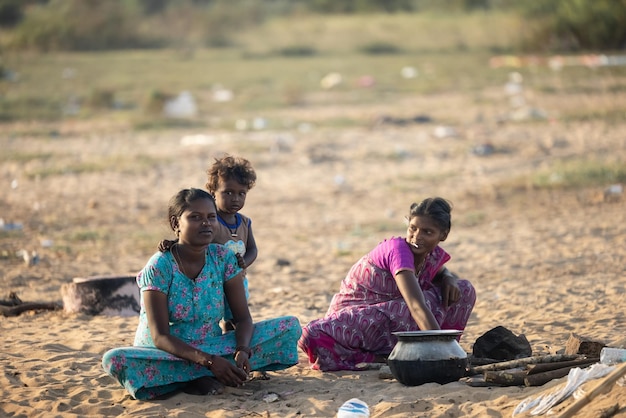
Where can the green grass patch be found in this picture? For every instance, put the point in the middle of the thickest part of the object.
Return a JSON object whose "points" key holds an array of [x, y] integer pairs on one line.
{"points": [[297, 51], [380, 48], [86, 235], [25, 157], [610, 115], [579, 174], [125, 164]]}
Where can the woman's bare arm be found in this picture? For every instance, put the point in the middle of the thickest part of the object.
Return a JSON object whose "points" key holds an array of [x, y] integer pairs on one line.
{"points": [[414, 297]]}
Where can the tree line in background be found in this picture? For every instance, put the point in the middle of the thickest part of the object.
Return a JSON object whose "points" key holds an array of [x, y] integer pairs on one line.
{"points": [[76, 25]]}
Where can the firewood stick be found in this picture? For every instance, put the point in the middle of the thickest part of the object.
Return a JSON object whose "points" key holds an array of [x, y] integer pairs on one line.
{"points": [[545, 367], [539, 379], [607, 382], [28, 306], [506, 377], [512, 364]]}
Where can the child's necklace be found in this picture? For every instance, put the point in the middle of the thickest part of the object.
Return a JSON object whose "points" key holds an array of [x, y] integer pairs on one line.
{"points": [[233, 231]]}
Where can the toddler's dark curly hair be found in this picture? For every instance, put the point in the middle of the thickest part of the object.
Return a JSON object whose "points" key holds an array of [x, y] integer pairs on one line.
{"points": [[230, 168]]}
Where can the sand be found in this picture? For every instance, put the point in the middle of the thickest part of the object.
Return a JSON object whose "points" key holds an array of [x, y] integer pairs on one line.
{"points": [[545, 263]]}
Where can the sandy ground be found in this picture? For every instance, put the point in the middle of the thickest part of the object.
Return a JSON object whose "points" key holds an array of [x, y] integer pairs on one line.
{"points": [[545, 263]]}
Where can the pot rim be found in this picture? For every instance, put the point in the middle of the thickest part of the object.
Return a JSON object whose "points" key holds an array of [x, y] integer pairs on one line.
{"points": [[430, 333]]}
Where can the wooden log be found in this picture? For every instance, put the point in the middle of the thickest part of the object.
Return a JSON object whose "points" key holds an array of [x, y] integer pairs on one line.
{"points": [[14, 306], [481, 361], [539, 379], [102, 295], [607, 382], [506, 377], [577, 344], [546, 367], [28, 306], [512, 364]]}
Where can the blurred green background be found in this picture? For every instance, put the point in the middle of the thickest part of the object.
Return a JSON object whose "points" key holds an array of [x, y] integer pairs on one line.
{"points": [[123, 59]]}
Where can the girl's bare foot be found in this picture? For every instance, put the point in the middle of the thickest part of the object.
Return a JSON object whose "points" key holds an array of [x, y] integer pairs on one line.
{"points": [[259, 375], [204, 386]]}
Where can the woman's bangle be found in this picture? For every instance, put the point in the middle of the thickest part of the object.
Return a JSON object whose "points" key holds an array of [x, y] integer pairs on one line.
{"points": [[209, 362], [243, 348]]}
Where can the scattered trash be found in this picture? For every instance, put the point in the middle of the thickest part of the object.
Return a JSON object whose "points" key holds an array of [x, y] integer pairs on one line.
{"points": [[339, 180], [612, 355], [271, 397], [366, 81], [389, 120], [483, 150], [11, 226], [576, 377], [331, 80], [68, 73], [182, 106], [46, 243], [241, 124], [9, 75], [557, 62], [514, 85], [354, 408], [259, 123], [527, 113], [14, 184], [198, 139], [444, 132], [72, 106], [613, 192], [30, 258], [408, 72], [222, 95], [305, 127]]}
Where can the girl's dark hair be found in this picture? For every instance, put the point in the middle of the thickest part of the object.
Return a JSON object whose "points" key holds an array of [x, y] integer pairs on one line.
{"points": [[228, 167], [182, 200], [436, 208]]}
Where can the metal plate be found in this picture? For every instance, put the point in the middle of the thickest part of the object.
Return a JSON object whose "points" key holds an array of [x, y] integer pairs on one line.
{"points": [[430, 333]]}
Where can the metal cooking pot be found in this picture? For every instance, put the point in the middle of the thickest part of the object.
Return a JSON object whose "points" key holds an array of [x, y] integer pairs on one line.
{"points": [[427, 356]]}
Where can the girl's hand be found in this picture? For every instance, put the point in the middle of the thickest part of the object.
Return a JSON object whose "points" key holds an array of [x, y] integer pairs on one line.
{"points": [[243, 361], [226, 373]]}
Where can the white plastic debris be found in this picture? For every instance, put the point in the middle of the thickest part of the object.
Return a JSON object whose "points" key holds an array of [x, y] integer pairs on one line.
{"points": [[408, 72], [353, 408], [331, 80], [576, 377], [182, 106]]}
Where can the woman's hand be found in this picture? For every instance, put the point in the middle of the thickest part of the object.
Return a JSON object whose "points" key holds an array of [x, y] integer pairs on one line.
{"points": [[228, 374], [414, 298], [450, 292]]}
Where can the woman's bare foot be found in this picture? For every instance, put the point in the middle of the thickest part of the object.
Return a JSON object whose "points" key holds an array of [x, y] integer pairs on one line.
{"points": [[204, 386], [380, 359]]}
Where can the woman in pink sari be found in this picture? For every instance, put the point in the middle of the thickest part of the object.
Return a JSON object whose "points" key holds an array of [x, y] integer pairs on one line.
{"points": [[401, 285]]}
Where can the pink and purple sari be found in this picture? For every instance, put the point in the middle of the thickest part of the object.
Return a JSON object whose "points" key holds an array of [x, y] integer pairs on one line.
{"points": [[369, 308]]}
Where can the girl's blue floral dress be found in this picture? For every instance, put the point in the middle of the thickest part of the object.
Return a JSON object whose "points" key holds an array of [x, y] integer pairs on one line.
{"points": [[195, 309]]}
